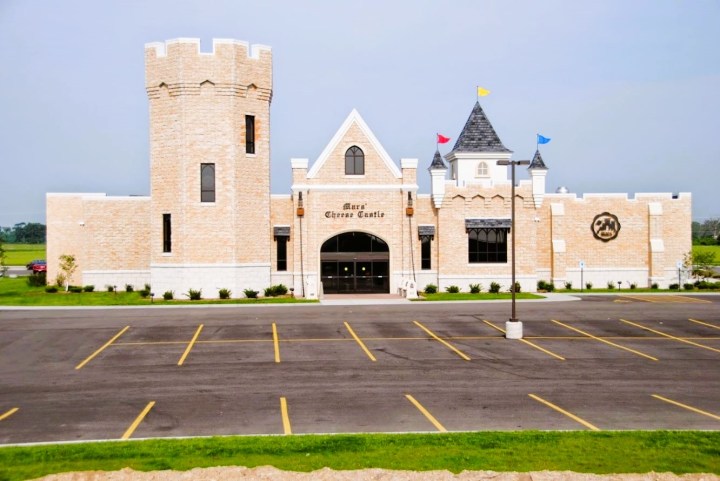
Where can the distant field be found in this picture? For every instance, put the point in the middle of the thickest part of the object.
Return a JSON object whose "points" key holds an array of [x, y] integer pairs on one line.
{"points": [[715, 249], [21, 254]]}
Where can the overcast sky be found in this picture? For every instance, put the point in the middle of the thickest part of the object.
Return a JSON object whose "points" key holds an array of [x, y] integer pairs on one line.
{"points": [[628, 90]]}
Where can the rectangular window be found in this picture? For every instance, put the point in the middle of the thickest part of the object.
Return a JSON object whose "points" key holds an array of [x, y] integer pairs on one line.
{"points": [[281, 253], [207, 182], [487, 245], [249, 134], [426, 262], [167, 233]]}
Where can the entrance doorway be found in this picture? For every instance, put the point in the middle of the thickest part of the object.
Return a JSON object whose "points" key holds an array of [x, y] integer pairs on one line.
{"points": [[355, 262]]}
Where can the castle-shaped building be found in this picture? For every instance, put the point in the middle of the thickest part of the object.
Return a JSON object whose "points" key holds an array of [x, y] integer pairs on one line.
{"points": [[354, 221]]}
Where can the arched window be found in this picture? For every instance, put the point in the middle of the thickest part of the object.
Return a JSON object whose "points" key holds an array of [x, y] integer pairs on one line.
{"points": [[207, 182], [482, 170], [354, 161]]}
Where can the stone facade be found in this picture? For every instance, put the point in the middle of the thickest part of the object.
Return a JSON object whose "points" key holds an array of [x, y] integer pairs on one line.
{"points": [[199, 107]]}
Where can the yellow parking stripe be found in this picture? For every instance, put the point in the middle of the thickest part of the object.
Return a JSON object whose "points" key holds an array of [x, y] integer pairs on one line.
{"points": [[566, 413], [679, 339], [9, 413], [138, 420], [690, 408], [92, 356], [550, 353], [426, 413], [285, 417], [359, 341], [445, 343], [666, 299], [276, 343], [190, 345], [606, 341], [704, 323]]}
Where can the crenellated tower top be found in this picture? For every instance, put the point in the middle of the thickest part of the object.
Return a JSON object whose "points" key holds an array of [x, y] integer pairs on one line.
{"points": [[232, 68]]}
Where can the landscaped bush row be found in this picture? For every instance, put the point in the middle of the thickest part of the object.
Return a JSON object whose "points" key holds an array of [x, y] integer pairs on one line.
{"points": [[474, 288]]}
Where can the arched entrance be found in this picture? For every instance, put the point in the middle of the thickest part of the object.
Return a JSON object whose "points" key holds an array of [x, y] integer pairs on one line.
{"points": [[355, 262]]}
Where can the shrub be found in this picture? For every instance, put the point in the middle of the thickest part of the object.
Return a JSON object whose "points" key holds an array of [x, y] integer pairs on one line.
{"points": [[37, 280], [194, 294], [129, 288], [144, 293], [541, 285], [517, 287], [588, 286], [75, 289], [250, 294], [110, 288], [430, 289], [688, 287], [89, 288], [148, 288], [550, 287], [610, 285], [276, 290], [674, 287], [494, 288], [60, 280], [654, 286], [51, 289], [633, 285], [568, 285], [475, 288], [224, 293], [168, 295], [452, 289]]}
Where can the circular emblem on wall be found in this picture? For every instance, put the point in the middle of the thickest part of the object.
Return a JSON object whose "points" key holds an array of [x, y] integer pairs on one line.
{"points": [[605, 226]]}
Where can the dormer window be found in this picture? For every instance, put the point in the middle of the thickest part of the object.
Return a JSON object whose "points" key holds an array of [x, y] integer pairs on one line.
{"points": [[482, 170], [354, 161]]}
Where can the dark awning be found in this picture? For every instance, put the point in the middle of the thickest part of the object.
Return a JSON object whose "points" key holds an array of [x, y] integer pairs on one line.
{"points": [[281, 231], [487, 223], [426, 230]]}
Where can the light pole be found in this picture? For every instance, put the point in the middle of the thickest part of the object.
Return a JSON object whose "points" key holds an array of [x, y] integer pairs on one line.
{"points": [[513, 328]]}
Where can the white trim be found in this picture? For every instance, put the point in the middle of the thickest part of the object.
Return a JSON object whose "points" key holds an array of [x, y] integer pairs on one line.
{"points": [[281, 196], [98, 196], [409, 163], [118, 271], [211, 266], [353, 187], [354, 118], [296, 163]]}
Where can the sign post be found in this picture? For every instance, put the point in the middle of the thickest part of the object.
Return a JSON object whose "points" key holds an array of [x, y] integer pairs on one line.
{"points": [[679, 268], [582, 280]]}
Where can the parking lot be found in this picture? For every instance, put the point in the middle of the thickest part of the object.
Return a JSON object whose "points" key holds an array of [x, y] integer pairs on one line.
{"points": [[604, 362]]}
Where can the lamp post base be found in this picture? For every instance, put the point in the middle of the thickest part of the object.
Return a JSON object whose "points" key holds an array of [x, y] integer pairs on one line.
{"points": [[513, 330]]}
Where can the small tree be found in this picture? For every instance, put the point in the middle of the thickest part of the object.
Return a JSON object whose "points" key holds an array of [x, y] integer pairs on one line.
{"points": [[700, 263], [3, 267], [68, 266]]}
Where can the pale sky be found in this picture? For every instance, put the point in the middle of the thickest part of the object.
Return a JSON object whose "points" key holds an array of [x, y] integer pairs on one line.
{"points": [[628, 90]]}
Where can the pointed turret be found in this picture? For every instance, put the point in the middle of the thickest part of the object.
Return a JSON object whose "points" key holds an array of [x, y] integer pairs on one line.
{"points": [[437, 169], [473, 159], [538, 172]]}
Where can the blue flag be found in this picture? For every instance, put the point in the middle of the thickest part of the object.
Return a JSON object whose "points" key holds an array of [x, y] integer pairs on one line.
{"points": [[542, 140]]}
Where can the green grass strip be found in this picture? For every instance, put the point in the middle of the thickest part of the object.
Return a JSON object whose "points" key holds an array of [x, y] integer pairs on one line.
{"points": [[21, 254], [483, 296], [580, 451]]}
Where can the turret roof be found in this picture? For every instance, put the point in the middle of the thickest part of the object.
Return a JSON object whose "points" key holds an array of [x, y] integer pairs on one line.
{"points": [[537, 161], [478, 135], [437, 162]]}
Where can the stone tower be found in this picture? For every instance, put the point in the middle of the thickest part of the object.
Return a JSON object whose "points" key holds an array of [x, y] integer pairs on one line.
{"points": [[209, 165]]}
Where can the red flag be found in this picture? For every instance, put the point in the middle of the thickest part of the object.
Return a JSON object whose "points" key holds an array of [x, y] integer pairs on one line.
{"points": [[442, 139]]}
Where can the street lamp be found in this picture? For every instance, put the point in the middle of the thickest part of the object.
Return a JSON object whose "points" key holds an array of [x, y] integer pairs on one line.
{"points": [[513, 328]]}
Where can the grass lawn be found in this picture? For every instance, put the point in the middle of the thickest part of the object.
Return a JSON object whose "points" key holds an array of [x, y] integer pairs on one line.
{"points": [[580, 451], [482, 296], [714, 249], [16, 292], [21, 254]]}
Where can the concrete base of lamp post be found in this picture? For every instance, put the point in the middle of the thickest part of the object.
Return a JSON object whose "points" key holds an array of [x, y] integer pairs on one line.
{"points": [[513, 330]]}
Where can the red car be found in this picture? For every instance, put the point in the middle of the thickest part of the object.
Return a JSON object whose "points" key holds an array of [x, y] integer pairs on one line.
{"points": [[39, 268]]}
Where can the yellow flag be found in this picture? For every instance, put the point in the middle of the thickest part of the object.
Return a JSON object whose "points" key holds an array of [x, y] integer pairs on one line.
{"points": [[482, 92]]}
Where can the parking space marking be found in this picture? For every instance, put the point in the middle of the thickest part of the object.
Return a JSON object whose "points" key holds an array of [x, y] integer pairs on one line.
{"points": [[606, 341], [690, 408], [445, 343], [190, 345], [359, 341], [92, 356], [276, 343], [285, 417], [426, 413], [667, 299], [9, 413], [550, 353], [679, 339], [566, 413], [129, 432], [704, 323]]}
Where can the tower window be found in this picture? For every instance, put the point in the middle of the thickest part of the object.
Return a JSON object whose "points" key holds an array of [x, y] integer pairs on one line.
{"points": [[249, 134], [354, 161], [482, 170], [426, 259], [487, 245], [207, 182], [167, 233], [282, 253]]}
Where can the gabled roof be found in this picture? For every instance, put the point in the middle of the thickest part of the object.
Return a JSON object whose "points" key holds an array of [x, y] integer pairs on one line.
{"points": [[478, 135], [437, 162], [537, 162], [354, 118]]}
